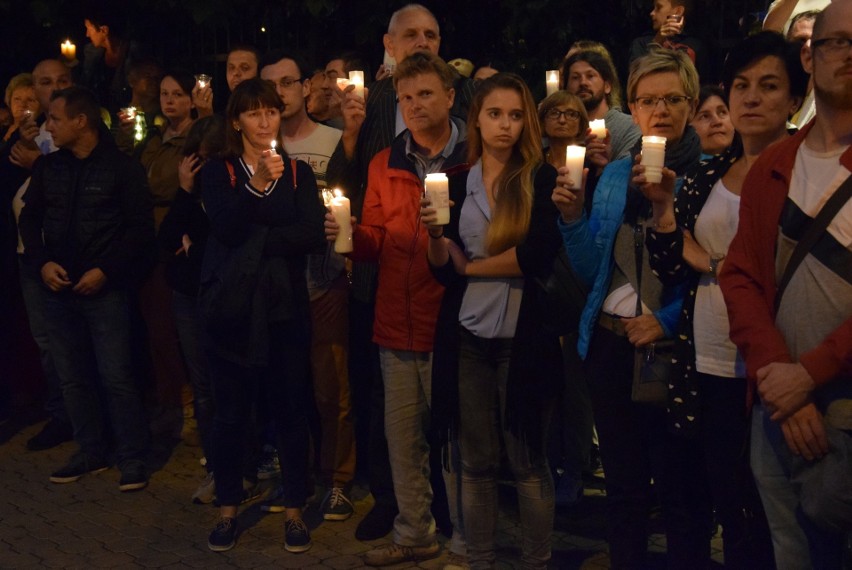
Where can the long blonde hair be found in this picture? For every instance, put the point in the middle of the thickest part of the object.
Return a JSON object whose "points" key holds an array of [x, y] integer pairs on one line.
{"points": [[513, 199]]}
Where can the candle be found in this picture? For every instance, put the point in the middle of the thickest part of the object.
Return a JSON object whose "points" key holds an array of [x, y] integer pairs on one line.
{"points": [[272, 146], [130, 112], [69, 50], [653, 157], [574, 157], [552, 79], [598, 127], [438, 192], [356, 78], [343, 216], [203, 80]]}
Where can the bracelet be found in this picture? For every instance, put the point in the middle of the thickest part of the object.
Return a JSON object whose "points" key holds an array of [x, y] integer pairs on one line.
{"points": [[666, 226], [433, 236]]}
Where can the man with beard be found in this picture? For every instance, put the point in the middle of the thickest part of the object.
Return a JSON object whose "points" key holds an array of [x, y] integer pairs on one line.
{"points": [[591, 76], [797, 340]]}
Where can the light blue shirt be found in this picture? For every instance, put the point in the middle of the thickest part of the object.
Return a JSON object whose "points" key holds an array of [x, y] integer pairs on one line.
{"points": [[490, 305]]}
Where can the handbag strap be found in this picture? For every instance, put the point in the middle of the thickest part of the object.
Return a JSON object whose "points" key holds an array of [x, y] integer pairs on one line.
{"points": [[639, 246], [812, 233]]}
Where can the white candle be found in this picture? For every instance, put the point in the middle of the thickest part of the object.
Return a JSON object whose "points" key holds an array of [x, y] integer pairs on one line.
{"points": [[438, 192], [552, 79], [69, 50], [356, 78], [272, 146], [598, 127], [574, 157], [653, 157], [343, 216], [203, 80]]}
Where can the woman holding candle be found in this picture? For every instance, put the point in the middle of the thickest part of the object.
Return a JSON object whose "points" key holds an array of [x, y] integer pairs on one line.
{"points": [[21, 100], [500, 237], [253, 300], [712, 121], [602, 247], [765, 84]]}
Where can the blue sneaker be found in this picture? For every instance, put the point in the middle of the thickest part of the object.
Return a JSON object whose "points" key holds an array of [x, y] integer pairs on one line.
{"points": [[224, 536]]}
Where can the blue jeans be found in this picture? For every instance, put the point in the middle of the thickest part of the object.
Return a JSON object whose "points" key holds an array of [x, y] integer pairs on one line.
{"points": [[185, 309], [34, 293], [82, 329], [483, 374]]}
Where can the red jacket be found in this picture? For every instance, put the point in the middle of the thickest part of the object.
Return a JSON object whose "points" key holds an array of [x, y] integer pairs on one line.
{"points": [[408, 296], [748, 274]]}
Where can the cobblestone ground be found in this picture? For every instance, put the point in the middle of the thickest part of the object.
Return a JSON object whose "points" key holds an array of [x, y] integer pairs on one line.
{"points": [[90, 524]]}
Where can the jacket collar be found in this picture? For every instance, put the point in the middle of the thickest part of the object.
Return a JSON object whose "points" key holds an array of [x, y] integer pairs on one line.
{"points": [[398, 159]]}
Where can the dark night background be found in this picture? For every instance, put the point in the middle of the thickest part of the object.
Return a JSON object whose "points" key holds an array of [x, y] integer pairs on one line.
{"points": [[527, 37]]}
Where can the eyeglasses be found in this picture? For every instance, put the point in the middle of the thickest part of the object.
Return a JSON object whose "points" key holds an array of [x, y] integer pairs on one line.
{"points": [[569, 114], [832, 48], [670, 102], [288, 82]]}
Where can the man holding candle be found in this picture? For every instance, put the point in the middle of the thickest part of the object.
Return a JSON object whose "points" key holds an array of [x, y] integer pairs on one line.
{"points": [[408, 296], [591, 76], [328, 288], [371, 124]]}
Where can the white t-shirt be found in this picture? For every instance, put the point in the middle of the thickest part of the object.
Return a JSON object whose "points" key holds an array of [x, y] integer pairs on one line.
{"points": [[715, 228], [802, 6]]}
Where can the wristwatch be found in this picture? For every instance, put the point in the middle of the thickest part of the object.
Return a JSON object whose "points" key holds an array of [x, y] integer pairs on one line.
{"points": [[715, 260]]}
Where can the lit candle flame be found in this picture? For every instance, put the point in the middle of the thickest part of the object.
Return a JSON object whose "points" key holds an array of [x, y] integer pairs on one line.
{"points": [[272, 146], [338, 193]]}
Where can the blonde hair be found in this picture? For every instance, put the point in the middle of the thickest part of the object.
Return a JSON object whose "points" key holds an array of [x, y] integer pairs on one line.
{"points": [[513, 199], [663, 60], [18, 81]]}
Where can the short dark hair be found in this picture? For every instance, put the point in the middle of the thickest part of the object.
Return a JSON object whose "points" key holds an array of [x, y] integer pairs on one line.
{"points": [[422, 62], [246, 47], [687, 5], [183, 78], [107, 13], [708, 91], [277, 55], [604, 66], [254, 93], [80, 101], [766, 44], [806, 15]]}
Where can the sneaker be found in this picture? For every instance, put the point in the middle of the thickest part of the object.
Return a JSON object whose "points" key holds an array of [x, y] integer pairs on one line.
{"points": [[297, 537], [394, 553], [456, 562], [52, 434], [275, 502], [224, 536], [569, 489], [377, 523], [134, 476], [270, 466], [206, 492], [336, 505], [80, 465]]}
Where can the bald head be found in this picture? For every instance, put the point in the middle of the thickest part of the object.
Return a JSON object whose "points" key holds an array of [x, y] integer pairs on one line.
{"points": [[50, 75], [412, 28]]}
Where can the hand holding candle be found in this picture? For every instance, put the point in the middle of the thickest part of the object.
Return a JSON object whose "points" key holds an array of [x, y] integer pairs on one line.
{"points": [[574, 157], [653, 157], [343, 217], [552, 81], [438, 192], [356, 78]]}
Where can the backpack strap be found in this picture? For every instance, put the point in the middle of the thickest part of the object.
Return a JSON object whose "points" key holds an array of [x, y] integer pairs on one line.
{"points": [[293, 167], [231, 173]]}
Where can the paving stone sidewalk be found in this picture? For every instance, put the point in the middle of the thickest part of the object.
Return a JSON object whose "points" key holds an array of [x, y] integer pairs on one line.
{"points": [[91, 524]]}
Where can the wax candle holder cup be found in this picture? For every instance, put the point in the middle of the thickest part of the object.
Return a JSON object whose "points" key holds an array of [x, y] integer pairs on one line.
{"points": [[356, 78], [203, 80], [339, 206], [574, 157], [598, 128], [551, 78], [438, 192], [653, 158]]}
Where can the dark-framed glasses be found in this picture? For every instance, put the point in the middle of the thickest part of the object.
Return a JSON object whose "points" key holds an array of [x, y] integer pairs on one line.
{"points": [[832, 48], [569, 114]]}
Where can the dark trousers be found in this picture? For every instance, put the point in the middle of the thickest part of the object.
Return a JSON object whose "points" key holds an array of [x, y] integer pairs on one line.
{"points": [[725, 434], [635, 447], [284, 381]]}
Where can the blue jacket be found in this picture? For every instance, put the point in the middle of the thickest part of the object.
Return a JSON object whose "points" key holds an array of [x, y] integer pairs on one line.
{"points": [[589, 243]]}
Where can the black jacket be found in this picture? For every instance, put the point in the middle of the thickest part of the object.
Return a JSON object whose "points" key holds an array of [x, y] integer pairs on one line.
{"points": [[92, 212]]}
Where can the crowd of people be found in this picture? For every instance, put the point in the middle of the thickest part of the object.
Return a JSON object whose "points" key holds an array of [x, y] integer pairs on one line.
{"points": [[184, 269]]}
